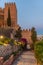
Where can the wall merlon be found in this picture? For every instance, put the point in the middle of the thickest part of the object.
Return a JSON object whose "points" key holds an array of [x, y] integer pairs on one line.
{"points": [[7, 4], [26, 30]]}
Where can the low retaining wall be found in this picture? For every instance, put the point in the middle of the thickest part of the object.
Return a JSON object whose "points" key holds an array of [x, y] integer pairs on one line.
{"points": [[9, 61], [7, 50]]}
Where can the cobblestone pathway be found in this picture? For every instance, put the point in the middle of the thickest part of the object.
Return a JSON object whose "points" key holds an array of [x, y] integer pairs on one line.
{"points": [[27, 58]]}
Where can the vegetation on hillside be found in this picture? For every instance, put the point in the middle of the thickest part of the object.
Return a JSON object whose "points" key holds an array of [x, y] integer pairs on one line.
{"points": [[38, 49]]}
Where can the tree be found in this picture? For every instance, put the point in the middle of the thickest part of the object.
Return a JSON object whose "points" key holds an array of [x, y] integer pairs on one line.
{"points": [[33, 36], [18, 34], [9, 18]]}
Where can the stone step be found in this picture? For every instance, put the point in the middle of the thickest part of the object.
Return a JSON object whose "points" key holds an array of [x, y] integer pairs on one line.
{"points": [[27, 58]]}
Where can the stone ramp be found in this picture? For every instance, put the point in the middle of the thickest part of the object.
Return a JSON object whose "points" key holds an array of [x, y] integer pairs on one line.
{"points": [[27, 58]]}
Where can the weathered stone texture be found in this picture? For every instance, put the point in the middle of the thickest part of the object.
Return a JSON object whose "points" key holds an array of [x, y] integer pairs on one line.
{"points": [[27, 35], [4, 15], [13, 13]]}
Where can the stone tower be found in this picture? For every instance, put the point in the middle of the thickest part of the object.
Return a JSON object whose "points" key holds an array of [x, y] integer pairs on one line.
{"points": [[1, 17], [13, 14]]}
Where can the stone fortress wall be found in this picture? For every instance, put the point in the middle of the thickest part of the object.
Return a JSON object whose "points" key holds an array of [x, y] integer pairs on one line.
{"points": [[13, 13], [27, 35]]}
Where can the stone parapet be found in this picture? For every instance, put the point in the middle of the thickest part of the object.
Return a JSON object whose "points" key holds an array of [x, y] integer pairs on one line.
{"points": [[5, 50]]}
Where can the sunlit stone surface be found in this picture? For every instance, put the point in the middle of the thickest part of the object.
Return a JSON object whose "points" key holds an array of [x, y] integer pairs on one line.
{"points": [[27, 58]]}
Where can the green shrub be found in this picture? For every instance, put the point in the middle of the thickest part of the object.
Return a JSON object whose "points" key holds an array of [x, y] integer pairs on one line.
{"points": [[1, 43], [15, 53], [6, 57], [38, 48]]}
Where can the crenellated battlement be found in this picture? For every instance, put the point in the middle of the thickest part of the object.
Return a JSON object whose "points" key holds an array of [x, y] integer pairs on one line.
{"points": [[10, 4], [26, 33], [26, 30]]}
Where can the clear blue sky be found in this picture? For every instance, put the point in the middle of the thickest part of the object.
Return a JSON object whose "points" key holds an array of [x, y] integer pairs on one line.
{"points": [[30, 13]]}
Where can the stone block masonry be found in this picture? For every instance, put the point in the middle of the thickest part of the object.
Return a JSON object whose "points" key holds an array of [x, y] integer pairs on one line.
{"points": [[4, 15]]}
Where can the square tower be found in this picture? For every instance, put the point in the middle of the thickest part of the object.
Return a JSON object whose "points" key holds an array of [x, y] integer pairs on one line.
{"points": [[13, 14]]}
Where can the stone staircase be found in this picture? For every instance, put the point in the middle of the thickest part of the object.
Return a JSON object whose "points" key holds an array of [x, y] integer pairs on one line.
{"points": [[27, 58]]}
